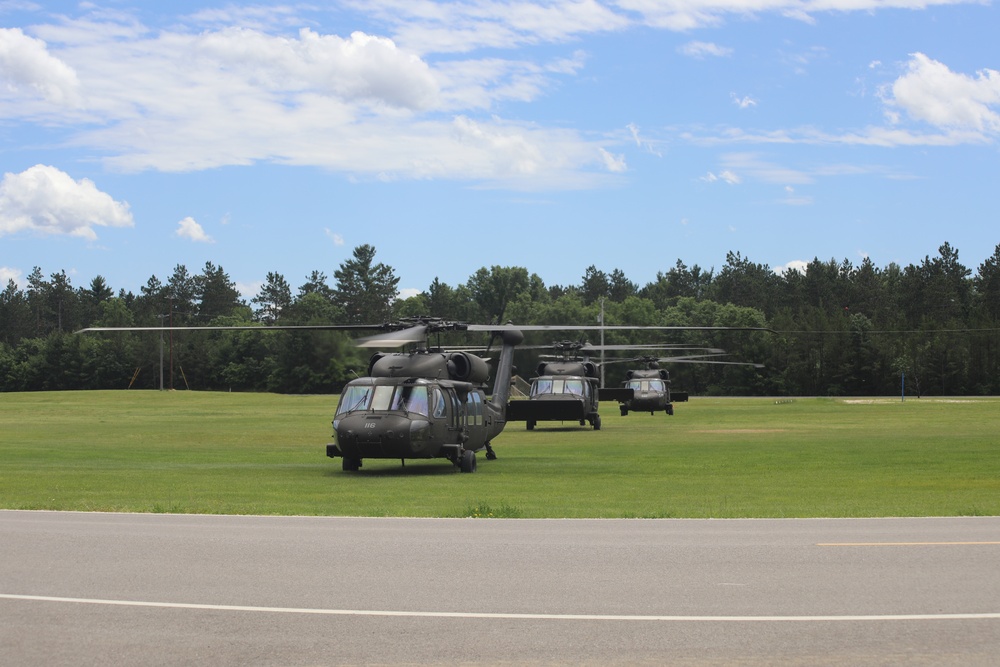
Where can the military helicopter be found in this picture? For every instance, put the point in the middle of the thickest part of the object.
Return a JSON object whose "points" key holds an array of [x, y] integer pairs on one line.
{"points": [[647, 389], [566, 389], [422, 404]]}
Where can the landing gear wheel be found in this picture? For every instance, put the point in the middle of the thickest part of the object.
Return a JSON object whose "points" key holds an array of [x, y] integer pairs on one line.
{"points": [[597, 422], [670, 410], [490, 454], [468, 463], [351, 465], [624, 411], [531, 425]]}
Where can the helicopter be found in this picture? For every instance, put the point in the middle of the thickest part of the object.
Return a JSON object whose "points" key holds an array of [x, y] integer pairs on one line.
{"points": [[647, 389], [567, 389], [422, 404]]}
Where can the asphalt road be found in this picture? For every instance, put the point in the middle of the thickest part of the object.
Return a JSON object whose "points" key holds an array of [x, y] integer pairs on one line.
{"points": [[126, 589]]}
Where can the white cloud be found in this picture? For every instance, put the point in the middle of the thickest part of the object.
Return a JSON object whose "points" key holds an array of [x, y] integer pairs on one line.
{"points": [[175, 101], [795, 265], [702, 49], [45, 200], [7, 274], [188, 228], [613, 163], [337, 239], [726, 176], [930, 92], [793, 199], [450, 27], [744, 102], [249, 290], [641, 142], [762, 170], [26, 64], [683, 15]]}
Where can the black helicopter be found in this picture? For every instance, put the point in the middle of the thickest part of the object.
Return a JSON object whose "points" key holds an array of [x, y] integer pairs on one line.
{"points": [[423, 404], [647, 389], [427, 403], [565, 389]]}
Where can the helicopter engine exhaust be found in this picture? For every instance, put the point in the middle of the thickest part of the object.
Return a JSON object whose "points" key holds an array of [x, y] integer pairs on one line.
{"points": [[468, 368]]}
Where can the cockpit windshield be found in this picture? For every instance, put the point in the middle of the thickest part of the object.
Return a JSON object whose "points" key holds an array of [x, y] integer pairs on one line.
{"points": [[544, 386], [355, 397], [411, 398], [646, 385]]}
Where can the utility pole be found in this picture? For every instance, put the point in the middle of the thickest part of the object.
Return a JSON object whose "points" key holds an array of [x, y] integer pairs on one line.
{"points": [[602, 342]]}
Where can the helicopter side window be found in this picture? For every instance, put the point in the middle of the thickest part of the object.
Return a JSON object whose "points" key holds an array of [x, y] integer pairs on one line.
{"points": [[474, 409], [355, 398], [416, 400], [438, 400]]}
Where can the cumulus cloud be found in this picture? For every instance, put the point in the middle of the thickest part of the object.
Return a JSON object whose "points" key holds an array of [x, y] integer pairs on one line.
{"points": [[337, 239], [797, 265], [744, 102], [48, 201], [7, 274], [188, 228], [931, 93], [26, 64]]}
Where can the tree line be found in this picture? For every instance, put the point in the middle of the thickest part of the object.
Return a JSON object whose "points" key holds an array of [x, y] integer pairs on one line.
{"points": [[838, 328]]}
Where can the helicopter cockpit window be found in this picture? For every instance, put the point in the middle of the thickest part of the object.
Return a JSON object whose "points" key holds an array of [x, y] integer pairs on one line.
{"points": [[657, 385], [385, 398], [634, 384], [574, 387], [355, 398], [415, 399], [542, 387]]}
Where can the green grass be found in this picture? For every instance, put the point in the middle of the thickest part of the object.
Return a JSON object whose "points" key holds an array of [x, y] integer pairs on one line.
{"points": [[193, 452]]}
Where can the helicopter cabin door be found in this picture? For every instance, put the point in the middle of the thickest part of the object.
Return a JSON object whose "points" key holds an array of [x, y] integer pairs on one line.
{"points": [[475, 421]]}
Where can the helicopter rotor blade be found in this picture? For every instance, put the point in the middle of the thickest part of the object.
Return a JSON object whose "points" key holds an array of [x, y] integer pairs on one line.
{"points": [[415, 334]]}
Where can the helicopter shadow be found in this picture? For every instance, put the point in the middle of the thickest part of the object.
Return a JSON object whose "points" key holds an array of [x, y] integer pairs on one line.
{"points": [[428, 470]]}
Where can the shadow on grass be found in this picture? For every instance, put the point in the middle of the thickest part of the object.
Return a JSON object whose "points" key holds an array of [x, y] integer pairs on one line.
{"points": [[410, 470]]}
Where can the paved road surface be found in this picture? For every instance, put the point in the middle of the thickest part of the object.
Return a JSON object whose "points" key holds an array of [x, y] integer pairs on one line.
{"points": [[98, 589]]}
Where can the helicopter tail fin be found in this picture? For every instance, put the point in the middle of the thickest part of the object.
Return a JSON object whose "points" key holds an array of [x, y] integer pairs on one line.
{"points": [[505, 366]]}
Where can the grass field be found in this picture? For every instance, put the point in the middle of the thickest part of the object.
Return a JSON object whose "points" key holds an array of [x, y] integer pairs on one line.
{"points": [[224, 453]]}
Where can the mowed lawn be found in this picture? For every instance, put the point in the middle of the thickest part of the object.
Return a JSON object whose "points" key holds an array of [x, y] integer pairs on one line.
{"points": [[235, 453]]}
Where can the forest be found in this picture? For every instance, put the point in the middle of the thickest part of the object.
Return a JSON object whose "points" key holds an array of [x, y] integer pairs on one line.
{"points": [[838, 329]]}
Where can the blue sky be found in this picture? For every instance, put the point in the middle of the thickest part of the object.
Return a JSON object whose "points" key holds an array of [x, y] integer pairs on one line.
{"points": [[451, 136]]}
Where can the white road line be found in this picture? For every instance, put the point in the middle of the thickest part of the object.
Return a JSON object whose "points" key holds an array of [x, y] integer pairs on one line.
{"points": [[544, 617]]}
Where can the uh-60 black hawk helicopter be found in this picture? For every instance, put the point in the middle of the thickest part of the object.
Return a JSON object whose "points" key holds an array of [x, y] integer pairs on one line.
{"points": [[647, 389], [423, 404]]}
